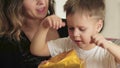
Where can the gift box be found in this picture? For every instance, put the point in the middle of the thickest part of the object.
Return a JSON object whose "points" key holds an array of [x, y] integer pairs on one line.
{"points": [[64, 60]]}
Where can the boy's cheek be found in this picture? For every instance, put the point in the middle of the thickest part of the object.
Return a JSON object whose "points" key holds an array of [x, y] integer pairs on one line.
{"points": [[90, 39]]}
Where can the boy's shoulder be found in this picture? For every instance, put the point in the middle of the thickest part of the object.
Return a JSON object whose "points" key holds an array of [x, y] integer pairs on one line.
{"points": [[63, 39], [65, 42]]}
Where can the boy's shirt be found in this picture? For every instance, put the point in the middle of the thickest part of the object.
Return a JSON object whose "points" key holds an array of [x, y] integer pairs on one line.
{"points": [[95, 58]]}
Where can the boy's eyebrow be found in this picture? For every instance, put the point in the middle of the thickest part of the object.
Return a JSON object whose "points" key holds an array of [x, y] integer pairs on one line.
{"points": [[70, 25], [76, 26]]}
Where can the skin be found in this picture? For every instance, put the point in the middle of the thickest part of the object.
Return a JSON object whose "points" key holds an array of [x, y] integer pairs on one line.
{"points": [[36, 9], [83, 30], [35, 12]]}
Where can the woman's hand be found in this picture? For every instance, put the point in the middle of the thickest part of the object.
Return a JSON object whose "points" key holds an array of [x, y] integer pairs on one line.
{"points": [[53, 21], [42, 63]]}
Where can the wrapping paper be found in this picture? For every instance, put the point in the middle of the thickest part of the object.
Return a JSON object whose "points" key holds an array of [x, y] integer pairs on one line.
{"points": [[64, 60]]}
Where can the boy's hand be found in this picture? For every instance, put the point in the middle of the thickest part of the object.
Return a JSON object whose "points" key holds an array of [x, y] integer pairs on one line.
{"points": [[99, 40], [53, 21]]}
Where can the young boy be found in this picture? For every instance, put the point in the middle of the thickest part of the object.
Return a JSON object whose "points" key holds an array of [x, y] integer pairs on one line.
{"points": [[84, 21]]}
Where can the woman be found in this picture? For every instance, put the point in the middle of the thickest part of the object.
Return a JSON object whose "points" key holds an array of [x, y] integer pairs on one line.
{"points": [[20, 20]]}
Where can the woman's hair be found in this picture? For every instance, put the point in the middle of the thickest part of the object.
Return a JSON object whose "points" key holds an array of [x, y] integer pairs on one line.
{"points": [[1, 12], [51, 7], [11, 17], [91, 7]]}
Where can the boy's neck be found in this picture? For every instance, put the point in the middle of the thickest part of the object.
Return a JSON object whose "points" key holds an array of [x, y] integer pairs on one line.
{"points": [[90, 46]]}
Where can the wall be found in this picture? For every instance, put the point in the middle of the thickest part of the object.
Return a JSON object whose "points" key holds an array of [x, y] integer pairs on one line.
{"points": [[112, 18], [59, 8]]}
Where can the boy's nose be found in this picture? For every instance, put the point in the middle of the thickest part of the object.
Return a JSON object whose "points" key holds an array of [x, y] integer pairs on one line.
{"points": [[76, 33]]}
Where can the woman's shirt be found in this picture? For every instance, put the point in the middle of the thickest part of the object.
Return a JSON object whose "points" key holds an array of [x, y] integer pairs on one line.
{"points": [[16, 54]]}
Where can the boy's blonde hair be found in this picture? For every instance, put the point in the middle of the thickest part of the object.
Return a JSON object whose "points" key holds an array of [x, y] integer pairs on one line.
{"points": [[91, 7]]}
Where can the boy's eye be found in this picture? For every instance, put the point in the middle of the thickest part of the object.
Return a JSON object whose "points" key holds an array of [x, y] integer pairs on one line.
{"points": [[82, 29], [34, 0], [71, 28]]}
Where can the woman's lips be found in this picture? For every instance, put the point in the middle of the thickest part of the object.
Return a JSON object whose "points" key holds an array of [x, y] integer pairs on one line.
{"points": [[41, 10]]}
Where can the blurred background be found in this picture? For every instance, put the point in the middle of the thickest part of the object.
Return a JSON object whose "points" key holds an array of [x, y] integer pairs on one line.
{"points": [[112, 17]]}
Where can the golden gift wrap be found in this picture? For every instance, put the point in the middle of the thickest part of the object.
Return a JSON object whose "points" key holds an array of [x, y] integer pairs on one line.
{"points": [[64, 60]]}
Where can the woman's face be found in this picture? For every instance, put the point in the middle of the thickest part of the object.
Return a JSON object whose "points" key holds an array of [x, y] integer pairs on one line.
{"points": [[35, 9]]}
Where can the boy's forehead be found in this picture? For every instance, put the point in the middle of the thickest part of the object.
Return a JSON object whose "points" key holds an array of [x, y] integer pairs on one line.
{"points": [[81, 16], [76, 16], [79, 20]]}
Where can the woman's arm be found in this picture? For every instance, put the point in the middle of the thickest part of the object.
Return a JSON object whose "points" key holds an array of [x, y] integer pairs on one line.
{"points": [[39, 44]]}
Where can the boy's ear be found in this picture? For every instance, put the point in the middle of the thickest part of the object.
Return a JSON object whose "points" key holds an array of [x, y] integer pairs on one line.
{"points": [[99, 25]]}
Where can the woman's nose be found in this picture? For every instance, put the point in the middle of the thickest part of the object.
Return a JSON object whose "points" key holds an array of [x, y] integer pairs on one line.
{"points": [[40, 2]]}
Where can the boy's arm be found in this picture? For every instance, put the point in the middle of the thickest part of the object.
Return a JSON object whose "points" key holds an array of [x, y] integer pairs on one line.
{"points": [[111, 47], [115, 50], [39, 45]]}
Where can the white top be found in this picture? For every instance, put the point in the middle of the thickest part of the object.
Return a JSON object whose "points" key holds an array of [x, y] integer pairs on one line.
{"points": [[95, 58]]}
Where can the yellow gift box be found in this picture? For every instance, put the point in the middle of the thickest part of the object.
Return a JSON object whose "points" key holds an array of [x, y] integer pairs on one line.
{"points": [[64, 60]]}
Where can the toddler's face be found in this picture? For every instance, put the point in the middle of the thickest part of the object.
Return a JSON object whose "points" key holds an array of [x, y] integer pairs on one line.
{"points": [[81, 28]]}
